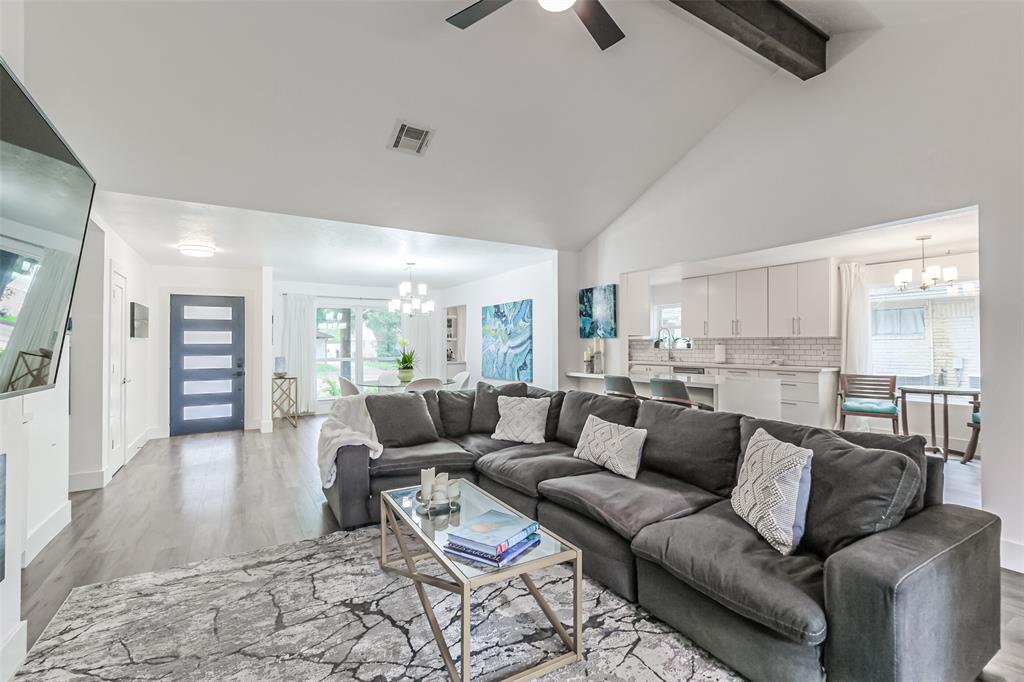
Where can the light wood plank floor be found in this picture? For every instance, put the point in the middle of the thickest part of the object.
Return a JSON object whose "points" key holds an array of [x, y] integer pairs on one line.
{"points": [[198, 497]]}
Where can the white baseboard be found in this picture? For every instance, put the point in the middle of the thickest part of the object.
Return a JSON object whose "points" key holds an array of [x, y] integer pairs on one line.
{"points": [[1012, 555], [267, 426], [41, 535], [13, 650], [88, 480]]}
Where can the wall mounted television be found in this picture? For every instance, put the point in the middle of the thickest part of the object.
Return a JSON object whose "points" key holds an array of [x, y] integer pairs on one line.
{"points": [[45, 198]]}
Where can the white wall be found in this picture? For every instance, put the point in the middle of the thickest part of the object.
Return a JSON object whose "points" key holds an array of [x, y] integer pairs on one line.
{"points": [[908, 121], [538, 282]]}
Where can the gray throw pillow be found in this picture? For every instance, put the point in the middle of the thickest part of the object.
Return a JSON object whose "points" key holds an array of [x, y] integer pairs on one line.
{"points": [[773, 490], [456, 411], [855, 491], [401, 419], [615, 447], [485, 406]]}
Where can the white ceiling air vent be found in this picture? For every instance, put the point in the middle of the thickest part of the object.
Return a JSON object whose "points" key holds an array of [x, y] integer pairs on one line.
{"points": [[411, 139]]}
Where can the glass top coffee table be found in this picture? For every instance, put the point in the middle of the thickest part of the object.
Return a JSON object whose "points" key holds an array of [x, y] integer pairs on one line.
{"points": [[398, 512]]}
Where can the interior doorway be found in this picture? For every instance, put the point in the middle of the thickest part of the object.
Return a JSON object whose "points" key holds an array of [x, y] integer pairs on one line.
{"points": [[117, 405], [207, 378]]}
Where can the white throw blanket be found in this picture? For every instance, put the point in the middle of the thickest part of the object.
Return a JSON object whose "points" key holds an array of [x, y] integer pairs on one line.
{"points": [[347, 424]]}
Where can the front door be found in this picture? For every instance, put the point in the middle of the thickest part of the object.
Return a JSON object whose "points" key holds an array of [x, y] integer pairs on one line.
{"points": [[207, 364]]}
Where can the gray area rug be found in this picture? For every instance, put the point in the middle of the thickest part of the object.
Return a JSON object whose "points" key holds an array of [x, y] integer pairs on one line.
{"points": [[322, 610]]}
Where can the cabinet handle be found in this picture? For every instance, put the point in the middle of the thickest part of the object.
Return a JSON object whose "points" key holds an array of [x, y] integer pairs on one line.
{"points": [[787, 402], [786, 374], [792, 326], [739, 327], [799, 327], [783, 383], [705, 327]]}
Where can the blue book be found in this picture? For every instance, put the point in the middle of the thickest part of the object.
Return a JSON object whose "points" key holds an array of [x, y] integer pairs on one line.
{"points": [[492, 532], [507, 557]]}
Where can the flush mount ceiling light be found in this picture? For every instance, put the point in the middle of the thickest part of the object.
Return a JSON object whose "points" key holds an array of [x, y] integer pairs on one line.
{"points": [[556, 5], [410, 297], [196, 250]]}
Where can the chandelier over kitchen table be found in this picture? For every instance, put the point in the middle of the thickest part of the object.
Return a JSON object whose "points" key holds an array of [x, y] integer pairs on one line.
{"points": [[412, 297], [931, 275]]}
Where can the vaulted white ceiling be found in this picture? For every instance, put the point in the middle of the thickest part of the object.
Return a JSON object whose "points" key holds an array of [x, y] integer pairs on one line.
{"points": [[541, 138]]}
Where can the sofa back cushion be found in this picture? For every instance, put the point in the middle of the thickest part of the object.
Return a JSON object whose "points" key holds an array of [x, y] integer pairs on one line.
{"points": [[554, 409], [578, 405], [855, 491], [699, 447], [485, 405], [911, 446], [434, 408], [401, 419], [456, 411]]}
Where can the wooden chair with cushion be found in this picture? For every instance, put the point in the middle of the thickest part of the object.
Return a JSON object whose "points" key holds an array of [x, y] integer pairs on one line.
{"points": [[975, 425], [619, 385], [868, 395], [675, 392]]}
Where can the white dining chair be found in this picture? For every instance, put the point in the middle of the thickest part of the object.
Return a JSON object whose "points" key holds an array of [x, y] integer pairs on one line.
{"points": [[347, 387], [460, 381], [424, 384]]}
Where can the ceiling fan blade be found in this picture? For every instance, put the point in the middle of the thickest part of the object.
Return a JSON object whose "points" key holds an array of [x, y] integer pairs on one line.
{"points": [[475, 12], [600, 24]]}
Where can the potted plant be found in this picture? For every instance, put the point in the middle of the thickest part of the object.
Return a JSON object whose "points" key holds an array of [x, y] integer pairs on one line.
{"points": [[406, 361]]}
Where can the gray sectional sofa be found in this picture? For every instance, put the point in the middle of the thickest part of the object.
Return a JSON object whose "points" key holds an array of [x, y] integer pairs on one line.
{"points": [[918, 601]]}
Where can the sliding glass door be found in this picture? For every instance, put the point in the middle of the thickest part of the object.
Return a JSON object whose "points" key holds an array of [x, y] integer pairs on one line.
{"points": [[357, 342]]}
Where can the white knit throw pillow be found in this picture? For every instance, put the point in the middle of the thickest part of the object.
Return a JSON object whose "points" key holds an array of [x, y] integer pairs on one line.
{"points": [[613, 446], [522, 420]]}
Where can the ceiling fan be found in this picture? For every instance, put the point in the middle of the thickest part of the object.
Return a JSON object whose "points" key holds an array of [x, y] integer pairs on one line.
{"points": [[593, 15]]}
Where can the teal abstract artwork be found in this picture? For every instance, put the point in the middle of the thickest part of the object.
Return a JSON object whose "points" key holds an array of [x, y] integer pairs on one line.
{"points": [[507, 344]]}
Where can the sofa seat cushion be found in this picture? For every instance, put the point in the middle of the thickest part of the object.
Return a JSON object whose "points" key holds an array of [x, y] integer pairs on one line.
{"points": [[871, 406], [479, 444], [627, 505], [716, 553], [442, 454], [523, 467]]}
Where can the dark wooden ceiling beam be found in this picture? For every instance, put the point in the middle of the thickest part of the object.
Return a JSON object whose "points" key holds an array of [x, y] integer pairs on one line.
{"points": [[769, 28]]}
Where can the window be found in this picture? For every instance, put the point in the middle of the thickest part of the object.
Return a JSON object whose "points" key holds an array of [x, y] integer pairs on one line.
{"points": [[355, 342], [667, 316], [928, 337], [16, 272]]}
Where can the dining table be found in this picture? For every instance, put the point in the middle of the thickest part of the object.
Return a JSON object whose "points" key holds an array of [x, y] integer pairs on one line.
{"points": [[933, 392], [389, 387]]}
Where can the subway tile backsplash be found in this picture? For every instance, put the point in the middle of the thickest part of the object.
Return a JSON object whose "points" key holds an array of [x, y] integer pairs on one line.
{"points": [[799, 352]]}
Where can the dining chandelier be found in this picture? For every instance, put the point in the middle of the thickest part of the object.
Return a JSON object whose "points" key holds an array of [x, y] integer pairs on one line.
{"points": [[930, 274], [411, 297]]}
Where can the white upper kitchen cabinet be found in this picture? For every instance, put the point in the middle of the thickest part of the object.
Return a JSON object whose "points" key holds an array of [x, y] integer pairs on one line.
{"points": [[694, 318], [634, 304], [803, 299], [722, 305], [752, 303], [783, 306]]}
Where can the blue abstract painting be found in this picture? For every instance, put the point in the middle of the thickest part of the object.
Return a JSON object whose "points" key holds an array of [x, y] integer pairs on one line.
{"points": [[507, 345], [597, 312]]}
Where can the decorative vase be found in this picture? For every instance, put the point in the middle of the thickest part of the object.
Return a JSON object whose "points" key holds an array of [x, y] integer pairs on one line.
{"points": [[405, 374]]}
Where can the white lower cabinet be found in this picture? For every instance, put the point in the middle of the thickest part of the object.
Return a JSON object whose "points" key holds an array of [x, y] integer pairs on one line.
{"points": [[800, 412]]}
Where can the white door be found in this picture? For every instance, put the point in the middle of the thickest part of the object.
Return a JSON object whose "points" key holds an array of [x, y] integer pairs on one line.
{"points": [[694, 317], [783, 288], [813, 298], [118, 332], [722, 305], [752, 303]]}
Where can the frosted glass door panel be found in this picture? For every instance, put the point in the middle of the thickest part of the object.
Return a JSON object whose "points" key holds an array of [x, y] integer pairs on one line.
{"points": [[192, 412], [207, 312], [193, 337], [207, 387], [206, 362]]}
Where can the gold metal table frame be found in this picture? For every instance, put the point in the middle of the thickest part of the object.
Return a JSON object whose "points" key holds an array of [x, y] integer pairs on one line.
{"points": [[405, 565]]}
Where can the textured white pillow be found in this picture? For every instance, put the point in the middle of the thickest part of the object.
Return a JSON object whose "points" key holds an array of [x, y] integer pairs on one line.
{"points": [[521, 419], [772, 490], [613, 446]]}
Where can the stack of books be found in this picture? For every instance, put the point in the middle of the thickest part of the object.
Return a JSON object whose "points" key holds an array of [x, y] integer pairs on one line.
{"points": [[494, 538]]}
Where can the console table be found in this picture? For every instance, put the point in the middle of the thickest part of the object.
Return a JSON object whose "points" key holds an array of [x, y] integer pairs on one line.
{"points": [[932, 392], [284, 395]]}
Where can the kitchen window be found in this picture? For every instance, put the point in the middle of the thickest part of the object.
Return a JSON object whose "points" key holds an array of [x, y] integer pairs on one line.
{"points": [[667, 316]]}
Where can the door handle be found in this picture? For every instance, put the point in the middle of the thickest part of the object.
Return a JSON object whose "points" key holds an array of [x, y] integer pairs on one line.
{"points": [[792, 326], [240, 374]]}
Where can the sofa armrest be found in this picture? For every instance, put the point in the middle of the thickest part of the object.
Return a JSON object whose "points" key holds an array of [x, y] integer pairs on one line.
{"points": [[917, 602], [348, 496]]}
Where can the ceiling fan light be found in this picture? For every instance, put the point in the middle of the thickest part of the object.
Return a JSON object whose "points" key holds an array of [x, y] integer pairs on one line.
{"points": [[556, 5]]}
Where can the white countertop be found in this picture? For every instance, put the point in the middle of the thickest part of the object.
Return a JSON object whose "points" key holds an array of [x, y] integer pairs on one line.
{"points": [[729, 365], [702, 380]]}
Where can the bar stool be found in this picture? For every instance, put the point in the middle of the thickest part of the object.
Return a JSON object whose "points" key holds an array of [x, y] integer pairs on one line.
{"points": [[675, 392], [975, 425], [619, 386]]}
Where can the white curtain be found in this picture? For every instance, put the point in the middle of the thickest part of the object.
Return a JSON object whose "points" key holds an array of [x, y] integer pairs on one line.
{"points": [[41, 318], [855, 319], [420, 332], [298, 346]]}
